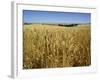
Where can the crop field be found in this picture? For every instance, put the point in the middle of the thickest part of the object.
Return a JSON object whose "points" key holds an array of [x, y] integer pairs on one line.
{"points": [[52, 46]]}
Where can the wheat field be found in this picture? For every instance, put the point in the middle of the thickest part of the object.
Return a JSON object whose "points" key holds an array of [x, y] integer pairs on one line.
{"points": [[51, 46]]}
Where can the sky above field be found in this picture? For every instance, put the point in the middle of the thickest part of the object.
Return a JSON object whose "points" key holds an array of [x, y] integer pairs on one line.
{"points": [[30, 16]]}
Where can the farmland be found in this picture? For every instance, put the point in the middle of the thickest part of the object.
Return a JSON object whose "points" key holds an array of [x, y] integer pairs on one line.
{"points": [[52, 46]]}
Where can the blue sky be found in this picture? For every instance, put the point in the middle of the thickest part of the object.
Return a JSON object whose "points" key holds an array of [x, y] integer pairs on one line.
{"points": [[30, 16]]}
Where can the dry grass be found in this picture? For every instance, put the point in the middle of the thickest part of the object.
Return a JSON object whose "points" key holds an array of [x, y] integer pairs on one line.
{"points": [[46, 46]]}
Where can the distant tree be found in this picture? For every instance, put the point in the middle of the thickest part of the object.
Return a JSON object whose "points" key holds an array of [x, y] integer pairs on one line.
{"points": [[68, 25], [27, 23]]}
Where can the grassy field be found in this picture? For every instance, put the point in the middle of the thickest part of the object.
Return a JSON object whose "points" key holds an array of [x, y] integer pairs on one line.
{"points": [[48, 46]]}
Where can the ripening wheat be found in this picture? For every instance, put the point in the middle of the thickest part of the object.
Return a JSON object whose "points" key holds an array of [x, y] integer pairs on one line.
{"points": [[48, 46]]}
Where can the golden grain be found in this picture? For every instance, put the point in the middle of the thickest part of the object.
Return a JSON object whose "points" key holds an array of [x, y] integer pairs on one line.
{"points": [[48, 46]]}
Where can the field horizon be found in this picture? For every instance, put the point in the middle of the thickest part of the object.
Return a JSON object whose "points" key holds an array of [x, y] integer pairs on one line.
{"points": [[56, 45]]}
